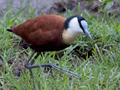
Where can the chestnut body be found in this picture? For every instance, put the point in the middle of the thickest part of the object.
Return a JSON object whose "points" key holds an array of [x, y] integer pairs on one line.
{"points": [[43, 33], [50, 33]]}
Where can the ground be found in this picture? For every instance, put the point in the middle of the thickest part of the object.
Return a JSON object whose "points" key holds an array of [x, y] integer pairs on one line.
{"points": [[52, 6], [96, 9]]}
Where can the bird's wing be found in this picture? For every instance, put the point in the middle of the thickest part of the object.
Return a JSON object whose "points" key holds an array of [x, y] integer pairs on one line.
{"points": [[41, 30]]}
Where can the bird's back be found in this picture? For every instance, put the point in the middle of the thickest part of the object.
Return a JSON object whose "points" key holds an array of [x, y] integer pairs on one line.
{"points": [[43, 33]]}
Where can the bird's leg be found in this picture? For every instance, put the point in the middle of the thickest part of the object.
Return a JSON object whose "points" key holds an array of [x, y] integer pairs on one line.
{"points": [[51, 72], [29, 58], [29, 64], [32, 61]]}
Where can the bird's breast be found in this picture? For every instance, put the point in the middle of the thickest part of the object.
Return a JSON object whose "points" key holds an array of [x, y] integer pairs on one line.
{"points": [[68, 38]]}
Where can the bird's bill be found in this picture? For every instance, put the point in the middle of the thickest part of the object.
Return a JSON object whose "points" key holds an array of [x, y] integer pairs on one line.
{"points": [[88, 34]]}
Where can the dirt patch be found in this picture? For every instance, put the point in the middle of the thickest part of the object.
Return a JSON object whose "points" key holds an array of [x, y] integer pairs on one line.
{"points": [[56, 6]]}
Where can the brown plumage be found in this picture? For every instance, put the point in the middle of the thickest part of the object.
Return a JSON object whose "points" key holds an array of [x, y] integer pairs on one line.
{"points": [[43, 33], [50, 33]]}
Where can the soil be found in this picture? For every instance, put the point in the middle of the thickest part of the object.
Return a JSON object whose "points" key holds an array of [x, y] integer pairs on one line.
{"points": [[50, 7], [56, 6]]}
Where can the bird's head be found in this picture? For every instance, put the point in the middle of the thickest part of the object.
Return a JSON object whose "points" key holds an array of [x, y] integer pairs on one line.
{"points": [[77, 25]]}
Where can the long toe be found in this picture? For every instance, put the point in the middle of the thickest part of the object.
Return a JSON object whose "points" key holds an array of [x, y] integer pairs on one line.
{"points": [[29, 66]]}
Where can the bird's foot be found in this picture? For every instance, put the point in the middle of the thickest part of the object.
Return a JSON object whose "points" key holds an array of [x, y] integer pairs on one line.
{"points": [[69, 73], [30, 66], [50, 65]]}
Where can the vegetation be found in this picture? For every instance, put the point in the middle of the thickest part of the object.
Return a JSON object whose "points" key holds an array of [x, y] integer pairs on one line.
{"points": [[99, 69]]}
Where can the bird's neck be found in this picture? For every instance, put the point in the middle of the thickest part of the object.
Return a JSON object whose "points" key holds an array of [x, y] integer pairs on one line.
{"points": [[68, 38]]}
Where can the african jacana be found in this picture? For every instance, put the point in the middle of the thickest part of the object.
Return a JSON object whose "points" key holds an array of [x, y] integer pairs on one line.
{"points": [[50, 33]]}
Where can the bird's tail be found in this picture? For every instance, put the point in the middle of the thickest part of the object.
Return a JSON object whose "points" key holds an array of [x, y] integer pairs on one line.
{"points": [[11, 28]]}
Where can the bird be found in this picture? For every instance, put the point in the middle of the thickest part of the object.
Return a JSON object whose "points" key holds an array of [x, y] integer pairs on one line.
{"points": [[50, 32]]}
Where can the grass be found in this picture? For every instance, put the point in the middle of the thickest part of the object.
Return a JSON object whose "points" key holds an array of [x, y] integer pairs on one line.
{"points": [[100, 71]]}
